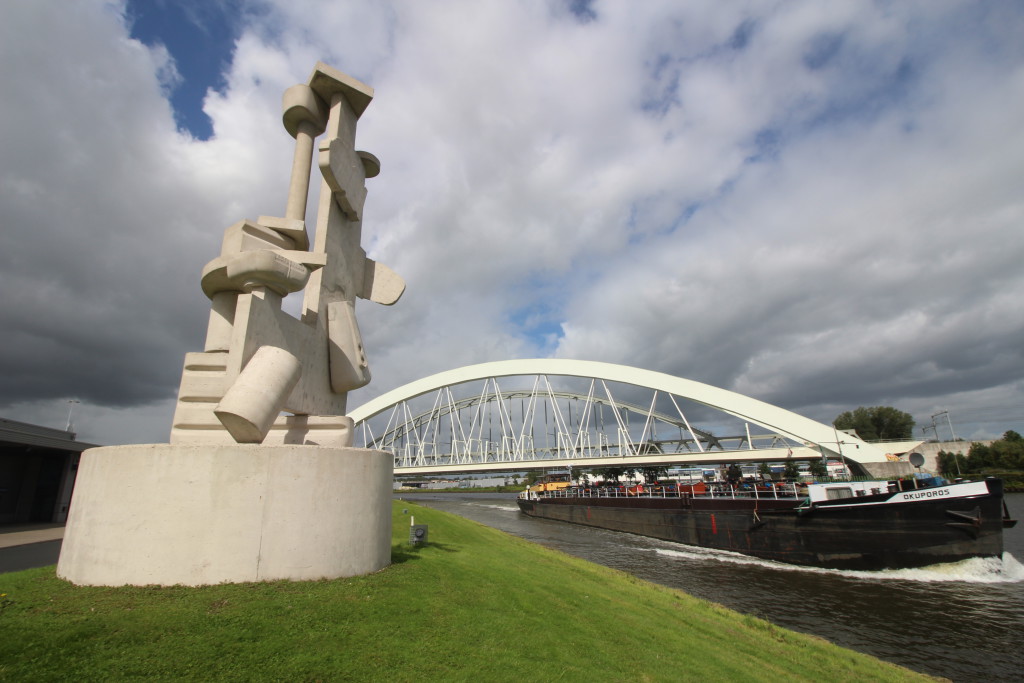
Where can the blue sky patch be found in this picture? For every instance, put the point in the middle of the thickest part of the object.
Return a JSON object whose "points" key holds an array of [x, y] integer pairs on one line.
{"points": [[582, 10], [200, 37], [822, 50]]}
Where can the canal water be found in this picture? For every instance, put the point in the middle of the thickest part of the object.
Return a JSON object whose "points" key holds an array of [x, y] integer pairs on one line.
{"points": [[962, 621]]}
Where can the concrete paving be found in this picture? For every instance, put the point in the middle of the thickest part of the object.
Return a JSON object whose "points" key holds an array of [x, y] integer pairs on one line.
{"points": [[29, 533], [29, 556], [29, 546]]}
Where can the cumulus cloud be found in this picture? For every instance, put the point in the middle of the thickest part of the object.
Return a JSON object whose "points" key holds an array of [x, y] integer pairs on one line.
{"points": [[816, 206]]}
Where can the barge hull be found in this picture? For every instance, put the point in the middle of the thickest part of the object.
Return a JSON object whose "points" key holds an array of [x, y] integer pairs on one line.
{"points": [[892, 536]]}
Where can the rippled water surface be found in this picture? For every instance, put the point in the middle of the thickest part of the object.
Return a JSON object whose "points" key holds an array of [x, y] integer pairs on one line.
{"points": [[963, 621]]}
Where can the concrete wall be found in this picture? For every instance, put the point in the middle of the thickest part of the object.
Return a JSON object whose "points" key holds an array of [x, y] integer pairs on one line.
{"points": [[930, 451], [888, 470]]}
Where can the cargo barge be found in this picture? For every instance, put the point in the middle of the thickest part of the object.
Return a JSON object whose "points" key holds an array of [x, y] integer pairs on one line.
{"points": [[867, 525]]}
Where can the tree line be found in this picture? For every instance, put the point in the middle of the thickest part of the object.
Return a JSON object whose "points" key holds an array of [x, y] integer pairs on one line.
{"points": [[878, 423], [1005, 454]]}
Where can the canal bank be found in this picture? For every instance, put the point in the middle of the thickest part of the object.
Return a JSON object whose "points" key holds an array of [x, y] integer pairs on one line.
{"points": [[472, 604], [959, 622]]}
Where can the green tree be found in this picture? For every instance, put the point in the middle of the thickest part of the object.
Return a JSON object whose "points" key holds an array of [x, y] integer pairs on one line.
{"points": [[1010, 450], [979, 458], [817, 469], [1005, 454], [651, 475], [791, 472], [880, 423], [610, 474], [952, 464], [764, 470]]}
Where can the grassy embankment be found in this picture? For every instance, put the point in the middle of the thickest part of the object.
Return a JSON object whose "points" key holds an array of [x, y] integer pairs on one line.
{"points": [[474, 604], [1013, 480]]}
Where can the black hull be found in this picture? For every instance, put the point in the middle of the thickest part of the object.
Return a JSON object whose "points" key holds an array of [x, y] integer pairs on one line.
{"points": [[888, 536]]}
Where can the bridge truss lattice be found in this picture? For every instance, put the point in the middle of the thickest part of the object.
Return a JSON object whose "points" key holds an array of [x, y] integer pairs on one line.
{"points": [[526, 421]]}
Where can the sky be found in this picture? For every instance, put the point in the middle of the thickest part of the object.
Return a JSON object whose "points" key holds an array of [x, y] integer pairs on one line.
{"points": [[819, 205]]}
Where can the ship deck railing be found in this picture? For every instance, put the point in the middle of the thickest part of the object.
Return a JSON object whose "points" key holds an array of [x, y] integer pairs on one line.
{"points": [[776, 491]]}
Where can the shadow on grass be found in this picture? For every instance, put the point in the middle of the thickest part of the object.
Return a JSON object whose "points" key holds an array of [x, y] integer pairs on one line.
{"points": [[403, 552]]}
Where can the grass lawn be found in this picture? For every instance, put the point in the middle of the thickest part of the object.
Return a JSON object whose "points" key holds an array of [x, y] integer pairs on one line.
{"points": [[474, 604]]}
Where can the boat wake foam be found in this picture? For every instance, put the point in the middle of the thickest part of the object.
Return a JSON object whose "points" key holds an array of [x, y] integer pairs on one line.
{"points": [[974, 570]]}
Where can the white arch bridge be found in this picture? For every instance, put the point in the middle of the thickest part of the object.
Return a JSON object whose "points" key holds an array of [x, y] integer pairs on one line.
{"points": [[553, 413]]}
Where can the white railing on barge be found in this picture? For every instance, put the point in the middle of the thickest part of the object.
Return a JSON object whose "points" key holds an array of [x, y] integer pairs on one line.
{"points": [[777, 491]]}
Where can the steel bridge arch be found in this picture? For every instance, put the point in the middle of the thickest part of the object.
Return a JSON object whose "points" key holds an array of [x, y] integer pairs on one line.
{"points": [[425, 416], [787, 423]]}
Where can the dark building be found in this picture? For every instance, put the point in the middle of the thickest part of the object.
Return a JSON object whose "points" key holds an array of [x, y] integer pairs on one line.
{"points": [[37, 472]]}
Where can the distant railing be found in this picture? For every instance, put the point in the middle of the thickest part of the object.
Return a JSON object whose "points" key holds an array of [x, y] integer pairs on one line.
{"points": [[774, 491]]}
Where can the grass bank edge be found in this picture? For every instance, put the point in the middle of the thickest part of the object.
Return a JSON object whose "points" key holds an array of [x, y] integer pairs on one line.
{"points": [[472, 603]]}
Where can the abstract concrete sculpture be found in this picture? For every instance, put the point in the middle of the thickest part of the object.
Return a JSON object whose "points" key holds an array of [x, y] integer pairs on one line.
{"points": [[242, 492], [258, 359]]}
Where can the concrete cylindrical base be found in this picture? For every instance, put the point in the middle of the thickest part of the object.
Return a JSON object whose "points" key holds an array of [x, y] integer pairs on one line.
{"points": [[205, 514]]}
